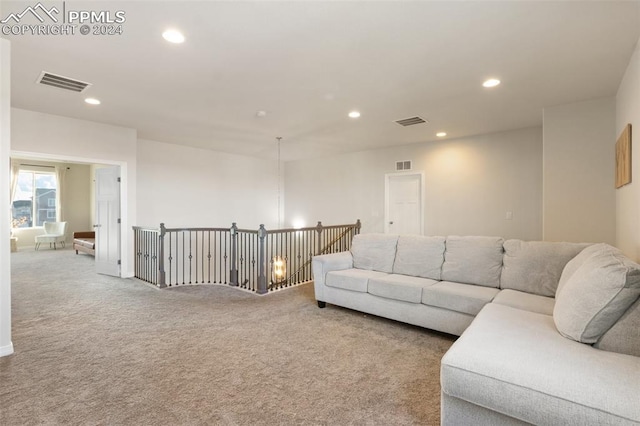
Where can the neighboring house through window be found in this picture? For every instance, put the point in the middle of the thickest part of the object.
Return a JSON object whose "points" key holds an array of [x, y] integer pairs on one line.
{"points": [[34, 199]]}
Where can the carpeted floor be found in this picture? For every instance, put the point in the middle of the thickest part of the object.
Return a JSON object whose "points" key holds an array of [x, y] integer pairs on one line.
{"points": [[97, 350]]}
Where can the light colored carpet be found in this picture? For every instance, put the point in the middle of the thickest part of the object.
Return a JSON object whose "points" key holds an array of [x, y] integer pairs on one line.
{"points": [[92, 349]]}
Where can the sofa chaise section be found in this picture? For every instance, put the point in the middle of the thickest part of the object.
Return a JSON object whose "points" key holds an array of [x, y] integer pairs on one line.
{"points": [[514, 363]]}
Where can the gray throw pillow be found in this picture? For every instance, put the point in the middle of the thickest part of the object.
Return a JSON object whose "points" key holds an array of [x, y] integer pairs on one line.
{"points": [[596, 295], [624, 336], [573, 265]]}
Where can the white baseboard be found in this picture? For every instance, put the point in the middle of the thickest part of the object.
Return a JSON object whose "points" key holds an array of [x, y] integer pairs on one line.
{"points": [[6, 350]]}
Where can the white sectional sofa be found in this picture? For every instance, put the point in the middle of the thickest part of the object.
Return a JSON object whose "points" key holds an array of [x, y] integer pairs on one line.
{"points": [[549, 332]]}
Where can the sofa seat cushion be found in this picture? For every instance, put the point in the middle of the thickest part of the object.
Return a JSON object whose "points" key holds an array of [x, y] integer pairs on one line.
{"points": [[536, 266], [374, 252], [526, 301], [399, 287], [598, 293], [419, 256], [516, 363], [465, 298], [352, 279], [85, 242], [473, 260]]}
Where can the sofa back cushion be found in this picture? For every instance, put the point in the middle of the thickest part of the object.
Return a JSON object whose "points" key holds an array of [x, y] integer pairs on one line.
{"points": [[374, 252], [536, 266], [473, 260], [419, 256], [597, 294]]}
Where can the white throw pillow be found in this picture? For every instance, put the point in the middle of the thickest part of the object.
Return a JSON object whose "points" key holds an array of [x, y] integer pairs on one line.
{"points": [[596, 295]]}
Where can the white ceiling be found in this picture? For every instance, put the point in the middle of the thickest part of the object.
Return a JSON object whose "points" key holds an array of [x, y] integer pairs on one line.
{"points": [[307, 64]]}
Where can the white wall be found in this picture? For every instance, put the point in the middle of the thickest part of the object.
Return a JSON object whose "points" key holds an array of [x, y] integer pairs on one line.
{"points": [[189, 187], [578, 172], [628, 197], [75, 203], [49, 136], [470, 184], [6, 347]]}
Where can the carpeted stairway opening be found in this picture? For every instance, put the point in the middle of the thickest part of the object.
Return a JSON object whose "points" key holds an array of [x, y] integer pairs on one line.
{"points": [[93, 349]]}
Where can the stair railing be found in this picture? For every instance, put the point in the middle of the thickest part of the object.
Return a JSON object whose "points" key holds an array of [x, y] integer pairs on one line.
{"points": [[256, 260]]}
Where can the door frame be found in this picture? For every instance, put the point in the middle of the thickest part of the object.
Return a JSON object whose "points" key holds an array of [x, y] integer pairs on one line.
{"points": [[387, 178], [124, 206]]}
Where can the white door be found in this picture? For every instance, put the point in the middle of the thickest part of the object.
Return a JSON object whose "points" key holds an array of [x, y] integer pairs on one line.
{"points": [[107, 224], [403, 203]]}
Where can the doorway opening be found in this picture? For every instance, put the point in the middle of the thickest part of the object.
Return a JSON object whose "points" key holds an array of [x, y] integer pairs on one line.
{"points": [[91, 199]]}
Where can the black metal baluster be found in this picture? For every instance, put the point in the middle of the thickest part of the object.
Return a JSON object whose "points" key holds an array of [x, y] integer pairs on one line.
{"points": [[190, 257], [225, 259], [183, 261], [154, 269], [196, 257], [170, 257]]}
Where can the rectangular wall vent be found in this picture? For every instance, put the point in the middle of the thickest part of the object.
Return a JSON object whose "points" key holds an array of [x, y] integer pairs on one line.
{"points": [[403, 165], [411, 121], [61, 82]]}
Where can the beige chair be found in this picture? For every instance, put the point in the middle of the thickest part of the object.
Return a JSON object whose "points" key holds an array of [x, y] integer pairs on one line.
{"points": [[54, 232]]}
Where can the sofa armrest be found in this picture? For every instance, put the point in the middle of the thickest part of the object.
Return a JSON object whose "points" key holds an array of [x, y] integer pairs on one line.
{"points": [[320, 265]]}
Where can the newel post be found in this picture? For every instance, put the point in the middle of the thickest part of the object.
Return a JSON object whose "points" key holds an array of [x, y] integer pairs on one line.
{"points": [[358, 226], [161, 273], [233, 275], [319, 239], [262, 277]]}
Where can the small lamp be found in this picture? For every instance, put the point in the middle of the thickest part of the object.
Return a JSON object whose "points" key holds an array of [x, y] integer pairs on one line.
{"points": [[278, 270]]}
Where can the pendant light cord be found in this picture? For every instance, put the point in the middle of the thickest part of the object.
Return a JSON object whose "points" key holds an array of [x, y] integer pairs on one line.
{"points": [[279, 138]]}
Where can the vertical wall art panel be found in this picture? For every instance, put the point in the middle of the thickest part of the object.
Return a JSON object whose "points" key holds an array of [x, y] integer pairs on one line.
{"points": [[623, 157]]}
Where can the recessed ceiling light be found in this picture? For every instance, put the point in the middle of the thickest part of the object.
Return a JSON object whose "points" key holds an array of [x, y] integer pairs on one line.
{"points": [[173, 36], [492, 82], [92, 101], [354, 114], [441, 134]]}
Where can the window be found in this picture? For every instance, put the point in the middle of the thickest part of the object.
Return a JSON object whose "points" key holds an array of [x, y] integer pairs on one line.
{"points": [[34, 199]]}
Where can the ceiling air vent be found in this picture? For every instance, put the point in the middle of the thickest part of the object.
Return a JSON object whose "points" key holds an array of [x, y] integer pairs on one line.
{"points": [[61, 82], [403, 165], [411, 121]]}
